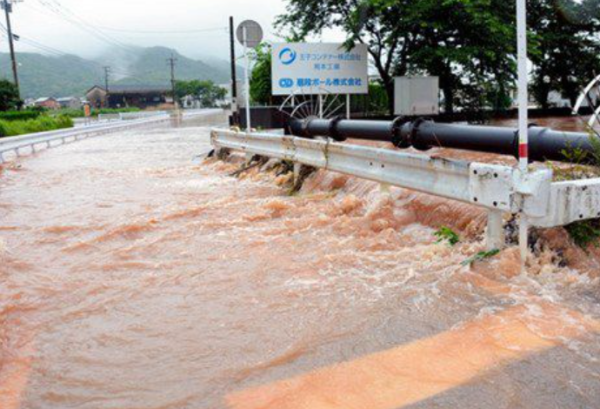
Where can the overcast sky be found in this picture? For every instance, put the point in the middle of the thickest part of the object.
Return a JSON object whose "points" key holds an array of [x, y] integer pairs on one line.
{"points": [[58, 24]]}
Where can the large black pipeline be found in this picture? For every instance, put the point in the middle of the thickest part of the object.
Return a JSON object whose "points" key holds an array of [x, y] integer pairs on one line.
{"points": [[544, 143]]}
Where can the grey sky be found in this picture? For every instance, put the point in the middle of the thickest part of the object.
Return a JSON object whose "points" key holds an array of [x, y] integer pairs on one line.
{"points": [[46, 22]]}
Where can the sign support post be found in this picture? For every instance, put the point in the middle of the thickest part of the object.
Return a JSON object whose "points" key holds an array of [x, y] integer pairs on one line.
{"points": [[245, 41], [523, 117], [250, 34], [348, 106], [320, 106]]}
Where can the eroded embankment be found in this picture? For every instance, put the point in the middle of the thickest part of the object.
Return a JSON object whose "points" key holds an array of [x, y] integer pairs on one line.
{"points": [[388, 208]]}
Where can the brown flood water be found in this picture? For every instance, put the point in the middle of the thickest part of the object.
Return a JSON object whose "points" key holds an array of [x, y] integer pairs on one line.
{"points": [[131, 277]]}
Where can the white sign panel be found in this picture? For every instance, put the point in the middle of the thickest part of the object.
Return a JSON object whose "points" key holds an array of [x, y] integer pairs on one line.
{"points": [[319, 68]]}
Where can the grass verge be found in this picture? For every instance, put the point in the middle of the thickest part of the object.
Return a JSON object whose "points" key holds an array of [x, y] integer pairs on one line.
{"points": [[41, 124]]}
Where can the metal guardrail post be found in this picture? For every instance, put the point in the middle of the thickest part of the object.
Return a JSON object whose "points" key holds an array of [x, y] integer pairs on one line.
{"points": [[494, 236]]}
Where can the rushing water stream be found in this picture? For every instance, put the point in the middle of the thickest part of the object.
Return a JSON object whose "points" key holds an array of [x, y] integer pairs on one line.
{"points": [[133, 277]]}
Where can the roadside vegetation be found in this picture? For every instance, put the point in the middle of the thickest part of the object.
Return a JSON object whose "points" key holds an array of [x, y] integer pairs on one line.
{"points": [[42, 123], [15, 121]]}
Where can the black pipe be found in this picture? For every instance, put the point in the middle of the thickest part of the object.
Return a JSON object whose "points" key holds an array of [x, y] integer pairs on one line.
{"points": [[544, 143]]}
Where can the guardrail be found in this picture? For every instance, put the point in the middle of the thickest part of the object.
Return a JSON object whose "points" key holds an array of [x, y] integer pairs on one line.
{"points": [[496, 188], [31, 141], [128, 116]]}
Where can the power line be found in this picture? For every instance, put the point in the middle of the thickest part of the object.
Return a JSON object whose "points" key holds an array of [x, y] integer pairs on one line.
{"points": [[159, 32], [65, 14], [58, 53], [125, 30]]}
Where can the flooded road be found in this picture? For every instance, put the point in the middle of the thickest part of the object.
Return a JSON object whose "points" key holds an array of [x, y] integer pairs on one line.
{"points": [[133, 277]]}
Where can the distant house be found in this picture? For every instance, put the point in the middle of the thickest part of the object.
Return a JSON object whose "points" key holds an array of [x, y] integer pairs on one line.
{"points": [[48, 103], [97, 97], [126, 96], [69, 102]]}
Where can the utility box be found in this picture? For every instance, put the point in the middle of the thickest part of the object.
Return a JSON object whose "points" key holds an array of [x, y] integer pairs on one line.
{"points": [[416, 96]]}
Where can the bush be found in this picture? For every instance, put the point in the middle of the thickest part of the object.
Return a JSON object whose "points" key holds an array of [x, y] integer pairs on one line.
{"points": [[585, 233], [9, 96], [41, 124], [19, 115]]}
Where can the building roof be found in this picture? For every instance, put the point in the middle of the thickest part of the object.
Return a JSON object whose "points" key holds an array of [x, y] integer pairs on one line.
{"points": [[66, 99], [134, 89], [45, 99]]}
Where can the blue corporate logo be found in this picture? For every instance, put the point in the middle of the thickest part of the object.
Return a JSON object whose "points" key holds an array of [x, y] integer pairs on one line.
{"points": [[287, 56], [286, 83]]}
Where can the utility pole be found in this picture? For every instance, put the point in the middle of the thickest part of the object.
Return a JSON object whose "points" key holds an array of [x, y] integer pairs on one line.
{"points": [[106, 81], [172, 62], [7, 6], [233, 74]]}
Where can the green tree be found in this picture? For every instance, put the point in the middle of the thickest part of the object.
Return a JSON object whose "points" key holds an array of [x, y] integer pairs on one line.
{"points": [[9, 96], [204, 91], [260, 79], [469, 44], [567, 49]]}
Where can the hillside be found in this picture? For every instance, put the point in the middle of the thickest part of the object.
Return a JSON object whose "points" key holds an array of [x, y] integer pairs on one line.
{"points": [[42, 75]]}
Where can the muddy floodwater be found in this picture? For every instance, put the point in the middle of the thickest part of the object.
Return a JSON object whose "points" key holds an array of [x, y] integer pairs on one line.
{"points": [[133, 276]]}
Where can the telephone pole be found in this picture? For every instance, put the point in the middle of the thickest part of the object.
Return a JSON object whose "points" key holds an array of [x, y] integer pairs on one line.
{"points": [[8, 6], [106, 83], [172, 62], [106, 77]]}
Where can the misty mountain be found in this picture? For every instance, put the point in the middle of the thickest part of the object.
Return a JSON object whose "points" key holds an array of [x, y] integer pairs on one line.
{"points": [[50, 76]]}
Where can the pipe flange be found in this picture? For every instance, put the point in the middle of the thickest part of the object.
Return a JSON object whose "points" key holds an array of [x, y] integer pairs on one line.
{"points": [[299, 128], [414, 140], [333, 132], [397, 139]]}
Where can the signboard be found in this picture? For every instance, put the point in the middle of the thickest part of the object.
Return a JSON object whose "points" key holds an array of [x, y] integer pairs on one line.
{"points": [[319, 68], [249, 33]]}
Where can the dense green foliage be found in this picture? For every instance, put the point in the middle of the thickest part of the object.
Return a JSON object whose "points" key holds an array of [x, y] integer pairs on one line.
{"points": [[566, 55], [260, 80], [42, 124], [9, 96], [374, 103], [469, 44], [205, 91], [19, 115], [49, 76]]}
